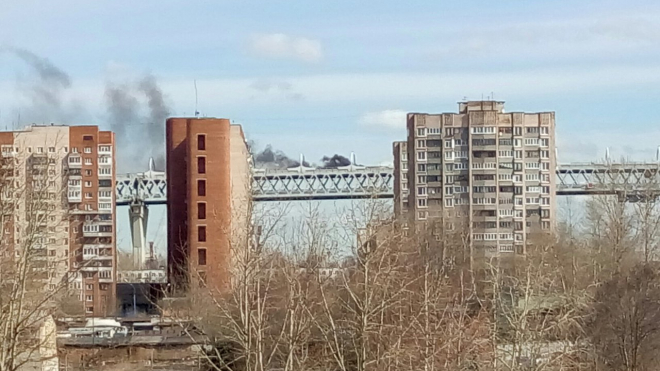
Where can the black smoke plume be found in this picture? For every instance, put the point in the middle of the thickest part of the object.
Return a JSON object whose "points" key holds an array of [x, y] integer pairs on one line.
{"points": [[274, 159], [45, 88], [140, 137], [335, 161], [158, 113]]}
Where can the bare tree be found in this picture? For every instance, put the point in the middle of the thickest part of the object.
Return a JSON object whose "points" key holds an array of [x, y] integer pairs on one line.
{"points": [[626, 323], [34, 272]]}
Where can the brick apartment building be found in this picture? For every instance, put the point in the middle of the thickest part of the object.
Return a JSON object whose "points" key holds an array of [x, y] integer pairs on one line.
{"points": [[62, 193], [208, 187], [481, 169]]}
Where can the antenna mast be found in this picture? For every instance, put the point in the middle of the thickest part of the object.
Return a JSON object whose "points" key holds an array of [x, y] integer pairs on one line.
{"points": [[196, 111]]}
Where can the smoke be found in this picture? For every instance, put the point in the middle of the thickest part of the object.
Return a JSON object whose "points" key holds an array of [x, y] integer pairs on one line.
{"points": [[139, 136], [158, 113], [335, 161], [270, 159], [45, 88]]}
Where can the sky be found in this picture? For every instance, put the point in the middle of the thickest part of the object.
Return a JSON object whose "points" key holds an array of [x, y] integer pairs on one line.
{"points": [[326, 77]]}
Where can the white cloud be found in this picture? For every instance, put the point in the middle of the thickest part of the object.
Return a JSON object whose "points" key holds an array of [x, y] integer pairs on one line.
{"points": [[279, 45], [390, 119]]}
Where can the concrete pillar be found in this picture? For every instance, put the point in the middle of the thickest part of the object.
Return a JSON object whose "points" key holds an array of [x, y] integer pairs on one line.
{"points": [[139, 216]]}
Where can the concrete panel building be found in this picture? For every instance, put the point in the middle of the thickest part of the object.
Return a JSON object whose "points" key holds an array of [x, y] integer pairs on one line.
{"points": [[482, 169], [400, 152], [63, 189], [207, 170]]}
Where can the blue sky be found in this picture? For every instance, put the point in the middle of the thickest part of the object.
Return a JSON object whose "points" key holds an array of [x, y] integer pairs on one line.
{"points": [[325, 77]]}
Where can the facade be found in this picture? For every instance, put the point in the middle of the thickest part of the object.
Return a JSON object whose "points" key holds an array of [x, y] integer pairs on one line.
{"points": [[484, 170], [400, 152], [63, 188], [205, 158]]}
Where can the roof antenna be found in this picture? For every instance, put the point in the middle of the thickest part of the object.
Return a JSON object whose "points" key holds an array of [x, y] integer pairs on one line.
{"points": [[353, 158], [196, 111], [657, 154]]}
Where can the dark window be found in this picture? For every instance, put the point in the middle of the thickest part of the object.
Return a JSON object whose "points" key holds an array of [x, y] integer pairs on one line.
{"points": [[201, 234], [88, 137], [201, 257], [201, 210], [201, 165], [201, 142], [201, 187]]}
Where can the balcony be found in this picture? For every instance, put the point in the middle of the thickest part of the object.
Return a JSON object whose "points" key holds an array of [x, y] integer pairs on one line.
{"points": [[74, 162], [97, 256], [96, 230]]}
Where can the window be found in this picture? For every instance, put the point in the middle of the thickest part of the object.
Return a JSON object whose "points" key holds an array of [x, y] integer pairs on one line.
{"points": [[89, 287], [51, 149], [517, 143], [421, 155], [421, 179], [449, 155], [505, 212], [105, 194], [517, 130], [40, 149], [421, 132], [505, 153], [545, 153], [531, 141], [88, 195], [449, 202], [483, 130], [421, 168], [104, 148], [87, 183], [421, 202], [89, 309], [433, 131], [460, 166], [532, 165], [88, 172], [449, 143], [531, 176], [544, 142], [201, 165], [504, 176], [421, 215], [201, 233], [201, 256], [534, 189], [201, 187], [201, 210], [532, 130], [421, 143], [88, 150], [421, 191], [201, 142]]}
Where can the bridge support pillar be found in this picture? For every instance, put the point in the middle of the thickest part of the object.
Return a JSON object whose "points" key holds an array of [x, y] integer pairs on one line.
{"points": [[139, 216]]}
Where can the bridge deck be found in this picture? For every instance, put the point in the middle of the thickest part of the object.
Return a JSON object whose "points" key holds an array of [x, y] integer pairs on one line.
{"points": [[377, 182]]}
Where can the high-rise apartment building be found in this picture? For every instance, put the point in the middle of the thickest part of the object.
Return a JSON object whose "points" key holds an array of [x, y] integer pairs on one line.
{"points": [[61, 185], [208, 190], [400, 152], [487, 171]]}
